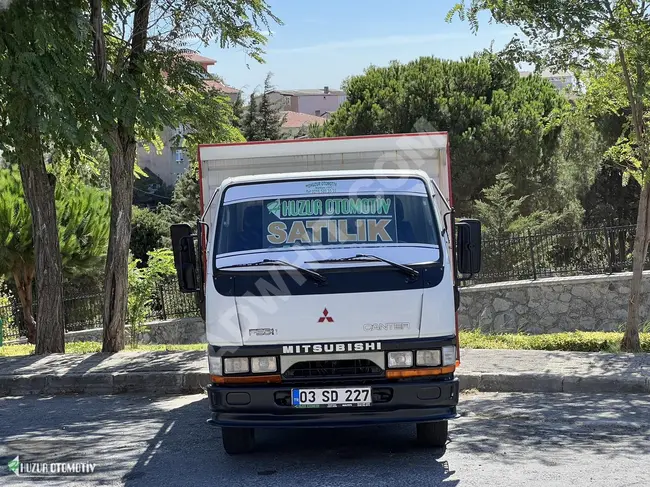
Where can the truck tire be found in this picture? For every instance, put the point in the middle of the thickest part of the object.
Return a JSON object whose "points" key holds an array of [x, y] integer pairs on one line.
{"points": [[433, 435], [238, 440]]}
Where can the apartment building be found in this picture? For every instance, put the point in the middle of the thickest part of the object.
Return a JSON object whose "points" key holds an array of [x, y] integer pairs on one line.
{"points": [[316, 102], [561, 80], [172, 161]]}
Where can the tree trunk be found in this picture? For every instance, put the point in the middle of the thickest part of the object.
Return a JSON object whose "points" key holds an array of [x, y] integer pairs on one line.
{"points": [[631, 341], [38, 186], [24, 279], [116, 285]]}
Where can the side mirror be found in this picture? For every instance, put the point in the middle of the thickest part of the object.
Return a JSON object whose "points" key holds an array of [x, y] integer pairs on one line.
{"points": [[185, 259], [468, 248]]}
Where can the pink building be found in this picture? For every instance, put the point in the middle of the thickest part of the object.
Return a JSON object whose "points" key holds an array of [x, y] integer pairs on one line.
{"points": [[294, 121], [313, 101]]}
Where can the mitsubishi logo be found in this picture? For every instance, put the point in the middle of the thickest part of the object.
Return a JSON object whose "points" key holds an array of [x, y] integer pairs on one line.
{"points": [[326, 317]]}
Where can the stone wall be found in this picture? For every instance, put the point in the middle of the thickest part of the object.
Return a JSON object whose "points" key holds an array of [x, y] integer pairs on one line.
{"points": [[177, 331], [551, 305]]}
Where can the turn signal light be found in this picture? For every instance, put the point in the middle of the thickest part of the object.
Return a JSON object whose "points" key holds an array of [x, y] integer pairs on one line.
{"points": [[246, 379], [401, 374]]}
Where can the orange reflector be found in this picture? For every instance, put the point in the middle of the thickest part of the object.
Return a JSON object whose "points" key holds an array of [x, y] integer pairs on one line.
{"points": [[246, 379], [401, 374]]}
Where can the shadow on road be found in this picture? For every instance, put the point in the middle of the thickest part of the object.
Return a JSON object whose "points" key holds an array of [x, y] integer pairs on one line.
{"points": [[142, 441]]}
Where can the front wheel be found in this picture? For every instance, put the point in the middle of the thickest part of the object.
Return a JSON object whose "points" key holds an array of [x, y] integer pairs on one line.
{"points": [[238, 440], [433, 434]]}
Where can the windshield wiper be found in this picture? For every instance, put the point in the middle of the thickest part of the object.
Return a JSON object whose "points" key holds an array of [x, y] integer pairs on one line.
{"points": [[409, 271], [307, 272]]}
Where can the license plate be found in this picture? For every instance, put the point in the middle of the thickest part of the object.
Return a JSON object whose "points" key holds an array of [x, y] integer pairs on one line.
{"points": [[331, 397]]}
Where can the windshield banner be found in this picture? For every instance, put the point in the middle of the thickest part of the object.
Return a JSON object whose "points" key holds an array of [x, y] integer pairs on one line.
{"points": [[327, 221]]}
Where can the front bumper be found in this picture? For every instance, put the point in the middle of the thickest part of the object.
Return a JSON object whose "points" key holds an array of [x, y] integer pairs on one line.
{"points": [[269, 406]]}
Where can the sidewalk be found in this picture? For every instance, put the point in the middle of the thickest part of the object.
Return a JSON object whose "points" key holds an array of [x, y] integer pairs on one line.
{"points": [[186, 372]]}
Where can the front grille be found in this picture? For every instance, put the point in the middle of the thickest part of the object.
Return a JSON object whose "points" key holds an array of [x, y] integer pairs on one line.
{"points": [[324, 369]]}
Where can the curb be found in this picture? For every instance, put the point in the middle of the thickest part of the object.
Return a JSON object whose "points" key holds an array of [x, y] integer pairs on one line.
{"points": [[195, 382]]}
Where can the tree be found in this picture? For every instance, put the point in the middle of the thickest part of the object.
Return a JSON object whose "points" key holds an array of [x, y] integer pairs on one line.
{"points": [[82, 228], [497, 122], [42, 97], [611, 37], [503, 226], [263, 122], [238, 112], [250, 128], [149, 231], [143, 282], [141, 79], [186, 200], [270, 119]]}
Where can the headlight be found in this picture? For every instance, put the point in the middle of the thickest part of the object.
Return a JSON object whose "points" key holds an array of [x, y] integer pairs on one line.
{"points": [[427, 358], [235, 365], [214, 365], [448, 355], [398, 360], [263, 365]]}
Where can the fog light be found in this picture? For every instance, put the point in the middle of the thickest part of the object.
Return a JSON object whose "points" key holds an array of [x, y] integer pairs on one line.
{"points": [[263, 365], [238, 365], [449, 355], [399, 360], [214, 365], [427, 358]]}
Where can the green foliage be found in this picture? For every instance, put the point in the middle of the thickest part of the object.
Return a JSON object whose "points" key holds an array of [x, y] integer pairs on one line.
{"points": [[270, 119], [90, 166], [142, 286], [500, 212], [16, 249], [250, 129], [43, 63], [497, 122], [163, 87], [238, 112], [95, 347], [83, 217], [263, 122], [578, 341], [186, 200], [611, 40], [206, 117], [149, 231], [83, 213]]}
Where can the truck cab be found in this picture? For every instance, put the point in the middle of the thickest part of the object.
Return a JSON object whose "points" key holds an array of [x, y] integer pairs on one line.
{"points": [[329, 297]]}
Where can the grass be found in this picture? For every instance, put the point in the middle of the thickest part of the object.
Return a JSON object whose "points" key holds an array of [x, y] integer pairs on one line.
{"points": [[578, 341], [93, 347]]}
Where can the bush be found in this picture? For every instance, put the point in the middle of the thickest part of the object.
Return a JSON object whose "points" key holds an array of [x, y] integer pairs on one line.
{"points": [[149, 231]]}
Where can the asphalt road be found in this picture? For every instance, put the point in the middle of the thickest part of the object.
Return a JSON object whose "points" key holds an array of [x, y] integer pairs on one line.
{"points": [[502, 439]]}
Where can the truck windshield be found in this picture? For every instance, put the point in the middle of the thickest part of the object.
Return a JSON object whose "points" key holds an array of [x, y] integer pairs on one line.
{"points": [[368, 219]]}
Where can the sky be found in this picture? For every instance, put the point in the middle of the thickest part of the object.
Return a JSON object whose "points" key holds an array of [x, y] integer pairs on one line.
{"points": [[322, 42]]}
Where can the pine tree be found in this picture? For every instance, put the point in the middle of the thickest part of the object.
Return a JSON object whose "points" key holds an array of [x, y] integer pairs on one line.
{"points": [[270, 119], [82, 222], [238, 113], [249, 128]]}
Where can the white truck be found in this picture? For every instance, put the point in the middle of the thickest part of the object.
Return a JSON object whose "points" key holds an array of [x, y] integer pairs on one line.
{"points": [[326, 272]]}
